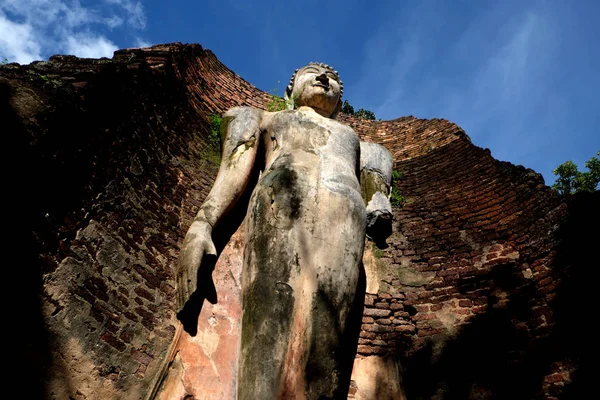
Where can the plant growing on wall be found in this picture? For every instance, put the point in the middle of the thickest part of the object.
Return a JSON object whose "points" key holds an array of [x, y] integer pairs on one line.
{"points": [[395, 197], [215, 129], [278, 103]]}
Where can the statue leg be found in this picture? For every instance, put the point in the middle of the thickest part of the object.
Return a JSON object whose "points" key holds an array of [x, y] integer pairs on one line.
{"points": [[268, 302], [302, 303]]}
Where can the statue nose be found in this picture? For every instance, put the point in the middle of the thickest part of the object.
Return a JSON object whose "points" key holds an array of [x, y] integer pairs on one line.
{"points": [[323, 78]]}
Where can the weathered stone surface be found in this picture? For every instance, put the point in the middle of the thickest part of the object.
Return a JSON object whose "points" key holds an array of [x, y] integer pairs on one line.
{"points": [[377, 378], [205, 365], [301, 286]]}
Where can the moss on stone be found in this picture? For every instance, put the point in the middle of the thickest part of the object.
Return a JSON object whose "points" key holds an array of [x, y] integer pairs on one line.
{"points": [[377, 252], [410, 277], [370, 183]]}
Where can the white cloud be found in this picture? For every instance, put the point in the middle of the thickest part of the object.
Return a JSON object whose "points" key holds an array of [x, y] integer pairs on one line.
{"points": [[35, 29], [135, 11], [139, 42], [17, 41], [90, 46]]}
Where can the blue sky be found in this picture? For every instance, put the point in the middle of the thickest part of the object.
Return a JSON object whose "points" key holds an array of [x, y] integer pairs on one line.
{"points": [[521, 77]]}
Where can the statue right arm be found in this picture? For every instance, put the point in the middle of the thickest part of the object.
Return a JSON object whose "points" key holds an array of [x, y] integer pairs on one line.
{"points": [[376, 165], [241, 126]]}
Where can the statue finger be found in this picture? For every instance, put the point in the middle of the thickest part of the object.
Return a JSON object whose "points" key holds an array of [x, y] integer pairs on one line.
{"points": [[182, 287], [185, 275]]}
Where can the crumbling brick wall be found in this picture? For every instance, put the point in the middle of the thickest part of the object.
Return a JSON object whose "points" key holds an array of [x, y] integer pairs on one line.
{"points": [[476, 293]]}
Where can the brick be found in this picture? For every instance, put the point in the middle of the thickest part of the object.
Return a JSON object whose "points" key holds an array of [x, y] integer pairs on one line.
{"points": [[405, 328], [382, 305], [367, 335], [376, 312], [369, 350], [556, 377], [377, 328], [422, 308], [113, 341], [423, 317], [370, 299], [141, 357], [402, 314], [480, 301], [140, 291], [429, 332], [465, 303]]}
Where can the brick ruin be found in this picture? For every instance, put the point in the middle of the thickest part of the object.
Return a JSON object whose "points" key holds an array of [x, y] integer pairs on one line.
{"points": [[485, 288]]}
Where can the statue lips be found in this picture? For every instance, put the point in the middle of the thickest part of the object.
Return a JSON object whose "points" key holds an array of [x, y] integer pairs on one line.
{"points": [[319, 84], [322, 81]]}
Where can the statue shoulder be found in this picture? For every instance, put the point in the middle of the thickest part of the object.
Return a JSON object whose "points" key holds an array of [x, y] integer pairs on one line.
{"points": [[240, 124], [374, 156], [244, 112]]}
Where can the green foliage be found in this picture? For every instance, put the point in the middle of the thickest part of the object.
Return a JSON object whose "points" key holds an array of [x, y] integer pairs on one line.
{"points": [[570, 180], [347, 108], [364, 114], [212, 153], [377, 252], [215, 129], [4, 62], [360, 113], [278, 103], [395, 197]]}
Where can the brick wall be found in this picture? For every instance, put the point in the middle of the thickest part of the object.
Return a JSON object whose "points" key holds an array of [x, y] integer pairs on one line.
{"points": [[482, 283]]}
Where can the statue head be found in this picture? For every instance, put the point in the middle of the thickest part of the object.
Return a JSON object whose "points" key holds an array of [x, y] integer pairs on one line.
{"points": [[318, 86]]}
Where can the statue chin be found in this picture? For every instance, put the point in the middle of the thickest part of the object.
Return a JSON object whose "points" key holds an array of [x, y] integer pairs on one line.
{"points": [[320, 102]]}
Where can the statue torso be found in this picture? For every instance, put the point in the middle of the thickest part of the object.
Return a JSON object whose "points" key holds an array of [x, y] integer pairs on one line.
{"points": [[319, 150], [304, 233]]}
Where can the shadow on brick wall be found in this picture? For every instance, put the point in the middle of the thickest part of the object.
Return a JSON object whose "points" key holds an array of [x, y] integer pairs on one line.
{"points": [[32, 338], [574, 338], [503, 353], [74, 147]]}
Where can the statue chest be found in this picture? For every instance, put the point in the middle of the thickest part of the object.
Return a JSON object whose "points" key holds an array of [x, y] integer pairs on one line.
{"points": [[311, 157], [291, 132]]}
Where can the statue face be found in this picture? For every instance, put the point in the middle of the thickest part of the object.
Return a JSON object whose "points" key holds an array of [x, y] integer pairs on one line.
{"points": [[317, 87]]}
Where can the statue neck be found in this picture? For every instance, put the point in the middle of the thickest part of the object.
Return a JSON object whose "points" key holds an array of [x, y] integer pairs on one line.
{"points": [[322, 112]]}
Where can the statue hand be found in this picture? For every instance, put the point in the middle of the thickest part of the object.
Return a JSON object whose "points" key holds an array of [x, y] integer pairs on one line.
{"points": [[197, 243]]}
